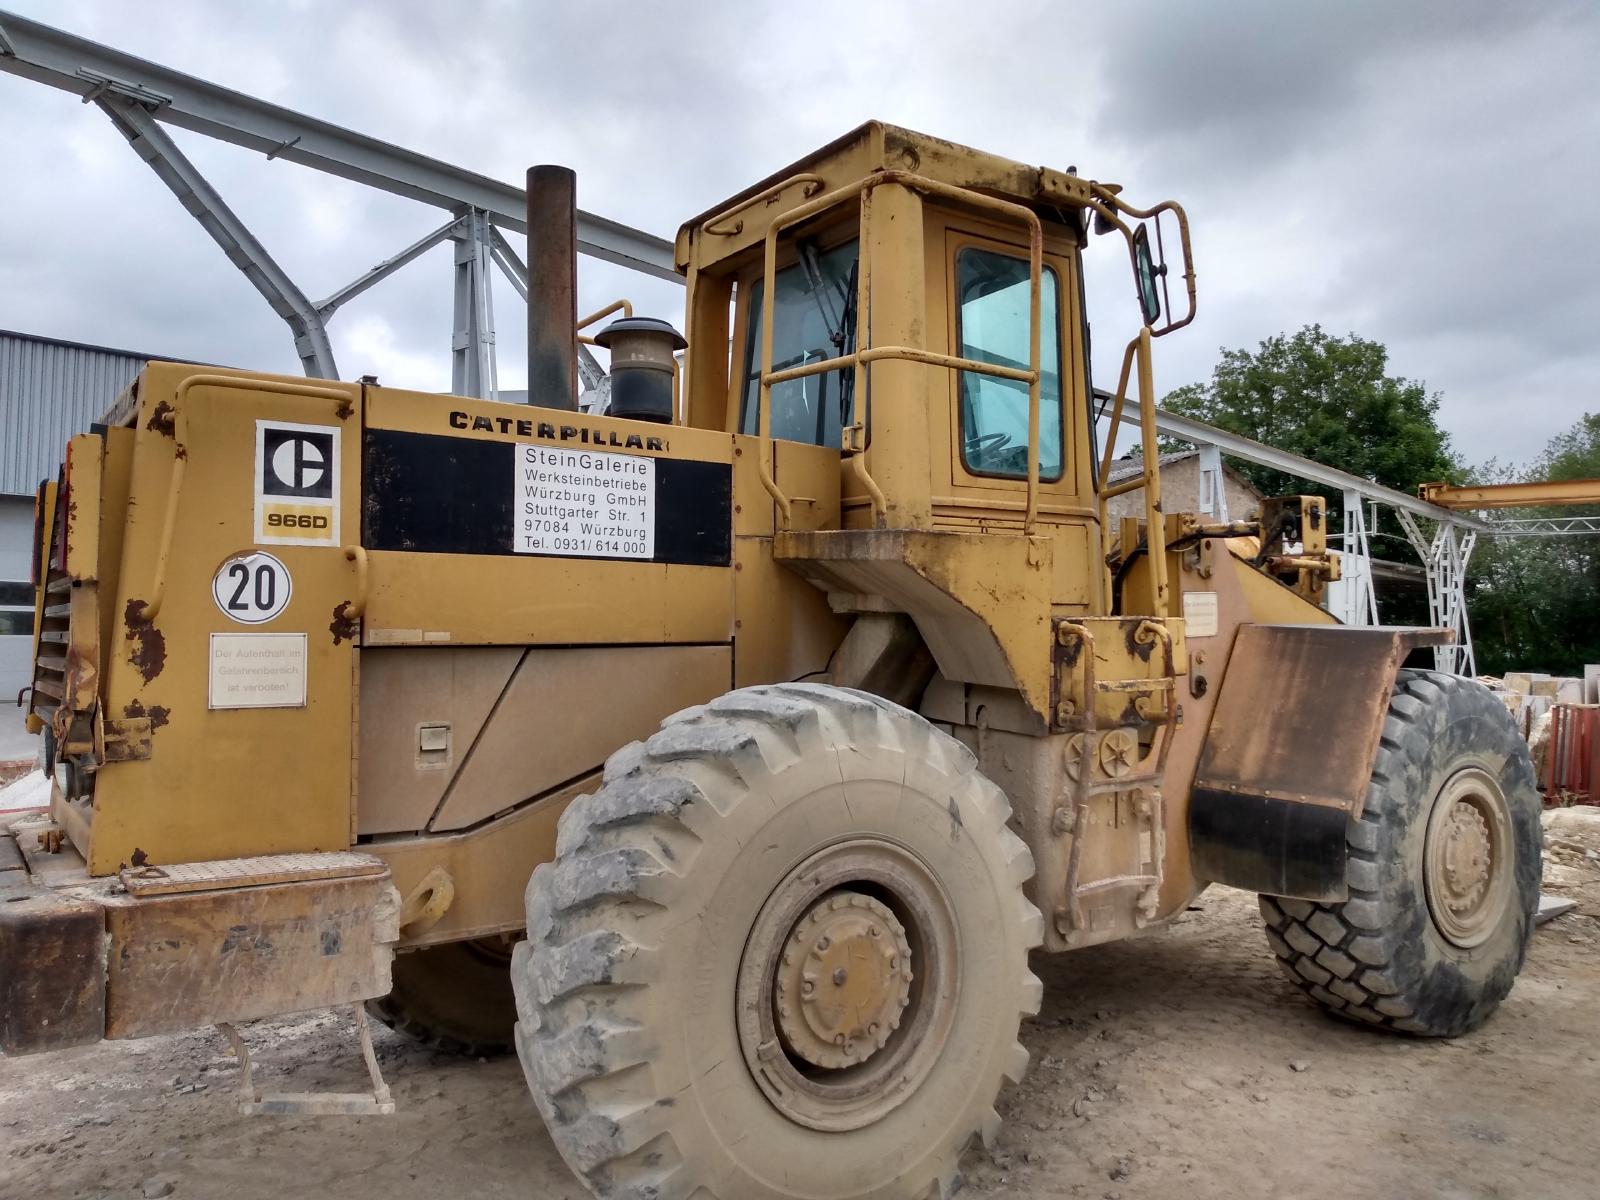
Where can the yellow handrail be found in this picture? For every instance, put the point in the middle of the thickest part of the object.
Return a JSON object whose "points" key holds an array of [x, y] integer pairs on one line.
{"points": [[179, 423], [358, 605], [1138, 353], [625, 307]]}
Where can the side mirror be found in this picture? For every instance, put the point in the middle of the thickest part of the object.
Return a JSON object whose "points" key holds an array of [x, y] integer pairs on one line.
{"points": [[1147, 271]]}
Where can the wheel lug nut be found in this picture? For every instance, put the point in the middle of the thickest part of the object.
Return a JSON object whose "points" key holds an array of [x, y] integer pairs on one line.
{"points": [[840, 976], [808, 987], [823, 943]]}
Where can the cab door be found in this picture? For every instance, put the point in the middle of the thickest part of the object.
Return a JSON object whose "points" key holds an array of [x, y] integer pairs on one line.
{"points": [[981, 281]]}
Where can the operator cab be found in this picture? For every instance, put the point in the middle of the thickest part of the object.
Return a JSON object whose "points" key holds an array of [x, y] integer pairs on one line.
{"points": [[927, 324]]}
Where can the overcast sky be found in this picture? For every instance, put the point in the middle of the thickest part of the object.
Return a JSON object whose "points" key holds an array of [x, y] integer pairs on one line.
{"points": [[1423, 174]]}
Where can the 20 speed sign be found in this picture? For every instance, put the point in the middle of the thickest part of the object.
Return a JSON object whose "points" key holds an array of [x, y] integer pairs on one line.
{"points": [[252, 588]]}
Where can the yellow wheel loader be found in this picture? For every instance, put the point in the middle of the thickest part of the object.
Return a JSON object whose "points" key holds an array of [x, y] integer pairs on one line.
{"points": [[729, 753]]}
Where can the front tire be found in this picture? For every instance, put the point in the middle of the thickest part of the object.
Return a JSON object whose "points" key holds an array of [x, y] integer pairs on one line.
{"points": [[781, 953], [1443, 871]]}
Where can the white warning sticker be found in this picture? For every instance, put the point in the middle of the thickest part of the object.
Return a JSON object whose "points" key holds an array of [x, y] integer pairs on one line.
{"points": [[1200, 614], [584, 503], [258, 670]]}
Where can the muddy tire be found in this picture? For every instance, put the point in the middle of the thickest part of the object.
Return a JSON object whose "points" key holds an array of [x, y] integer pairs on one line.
{"points": [[454, 998], [1444, 867], [782, 952]]}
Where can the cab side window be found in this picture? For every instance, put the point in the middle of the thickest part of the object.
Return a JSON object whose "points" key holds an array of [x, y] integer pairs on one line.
{"points": [[992, 327], [813, 320]]}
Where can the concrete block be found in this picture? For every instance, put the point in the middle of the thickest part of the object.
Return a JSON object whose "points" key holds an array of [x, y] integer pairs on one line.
{"points": [[1547, 686], [1569, 691], [1591, 684]]}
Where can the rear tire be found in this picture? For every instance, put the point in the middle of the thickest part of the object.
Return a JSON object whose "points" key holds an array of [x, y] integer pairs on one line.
{"points": [[454, 998], [1443, 871], [714, 997]]}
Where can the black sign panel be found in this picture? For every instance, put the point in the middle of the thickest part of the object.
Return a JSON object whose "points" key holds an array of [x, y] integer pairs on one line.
{"points": [[447, 495]]}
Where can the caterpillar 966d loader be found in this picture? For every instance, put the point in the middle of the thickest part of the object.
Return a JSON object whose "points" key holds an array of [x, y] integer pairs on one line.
{"points": [[729, 753]]}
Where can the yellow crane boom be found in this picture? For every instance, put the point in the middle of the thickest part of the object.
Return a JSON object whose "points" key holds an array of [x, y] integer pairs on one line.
{"points": [[1513, 495]]}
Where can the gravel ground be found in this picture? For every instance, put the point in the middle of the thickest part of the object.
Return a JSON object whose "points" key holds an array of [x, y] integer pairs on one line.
{"points": [[1182, 1065]]}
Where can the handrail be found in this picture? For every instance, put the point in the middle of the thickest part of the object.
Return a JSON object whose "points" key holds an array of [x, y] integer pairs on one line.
{"points": [[624, 306], [175, 418], [357, 555], [1106, 204], [865, 355], [1149, 478], [813, 185]]}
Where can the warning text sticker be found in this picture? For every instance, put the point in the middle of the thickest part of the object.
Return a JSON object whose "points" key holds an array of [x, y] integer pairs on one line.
{"points": [[258, 670], [584, 503]]}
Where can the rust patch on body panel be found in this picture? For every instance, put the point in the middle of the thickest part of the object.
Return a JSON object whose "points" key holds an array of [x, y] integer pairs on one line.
{"points": [[1138, 647], [345, 624], [161, 419], [158, 714], [147, 645]]}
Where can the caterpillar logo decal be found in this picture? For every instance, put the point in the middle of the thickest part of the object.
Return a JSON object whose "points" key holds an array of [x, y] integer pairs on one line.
{"points": [[296, 484]]}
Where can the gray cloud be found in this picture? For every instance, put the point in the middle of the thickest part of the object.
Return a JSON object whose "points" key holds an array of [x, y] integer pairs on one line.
{"points": [[1416, 173]]}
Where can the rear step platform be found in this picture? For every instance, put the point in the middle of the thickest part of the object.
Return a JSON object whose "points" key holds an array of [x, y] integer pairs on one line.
{"points": [[313, 1104]]}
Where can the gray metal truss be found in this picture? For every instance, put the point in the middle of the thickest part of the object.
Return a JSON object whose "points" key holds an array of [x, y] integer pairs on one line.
{"points": [[1444, 554], [155, 146], [1544, 526], [90, 70], [140, 97]]}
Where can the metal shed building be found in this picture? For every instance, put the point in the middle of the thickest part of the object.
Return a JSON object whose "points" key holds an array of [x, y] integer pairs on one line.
{"points": [[49, 390]]}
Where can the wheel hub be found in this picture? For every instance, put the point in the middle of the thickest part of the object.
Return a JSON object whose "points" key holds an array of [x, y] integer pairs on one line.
{"points": [[844, 981], [1468, 858], [848, 985]]}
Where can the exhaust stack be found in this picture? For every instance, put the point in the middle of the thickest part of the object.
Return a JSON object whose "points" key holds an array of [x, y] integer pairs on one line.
{"points": [[553, 287]]}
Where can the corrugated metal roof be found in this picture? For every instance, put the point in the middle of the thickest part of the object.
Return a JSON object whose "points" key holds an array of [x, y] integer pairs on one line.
{"points": [[50, 390]]}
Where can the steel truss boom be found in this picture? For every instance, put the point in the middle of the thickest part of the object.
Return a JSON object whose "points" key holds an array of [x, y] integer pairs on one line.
{"points": [[152, 143], [1445, 547], [1545, 526], [1200, 434], [91, 71]]}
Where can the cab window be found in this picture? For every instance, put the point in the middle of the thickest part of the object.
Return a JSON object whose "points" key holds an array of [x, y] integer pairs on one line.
{"points": [[813, 320], [992, 327]]}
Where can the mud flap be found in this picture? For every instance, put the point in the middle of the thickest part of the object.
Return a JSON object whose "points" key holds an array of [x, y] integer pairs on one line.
{"points": [[1289, 753]]}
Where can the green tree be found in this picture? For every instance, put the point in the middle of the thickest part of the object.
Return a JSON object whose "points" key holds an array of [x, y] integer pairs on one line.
{"points": [[1533, 600], [1327, 398]]}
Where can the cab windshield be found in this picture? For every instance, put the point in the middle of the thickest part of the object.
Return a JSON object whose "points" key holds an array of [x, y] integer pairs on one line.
{"points": [[814, 319]]}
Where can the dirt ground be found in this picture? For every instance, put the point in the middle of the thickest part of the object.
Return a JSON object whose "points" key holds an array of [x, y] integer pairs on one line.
{"points": [[1181, 1065]]}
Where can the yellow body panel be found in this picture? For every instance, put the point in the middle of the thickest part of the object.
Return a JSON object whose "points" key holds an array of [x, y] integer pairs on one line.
{"points": [[234, 781]]}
